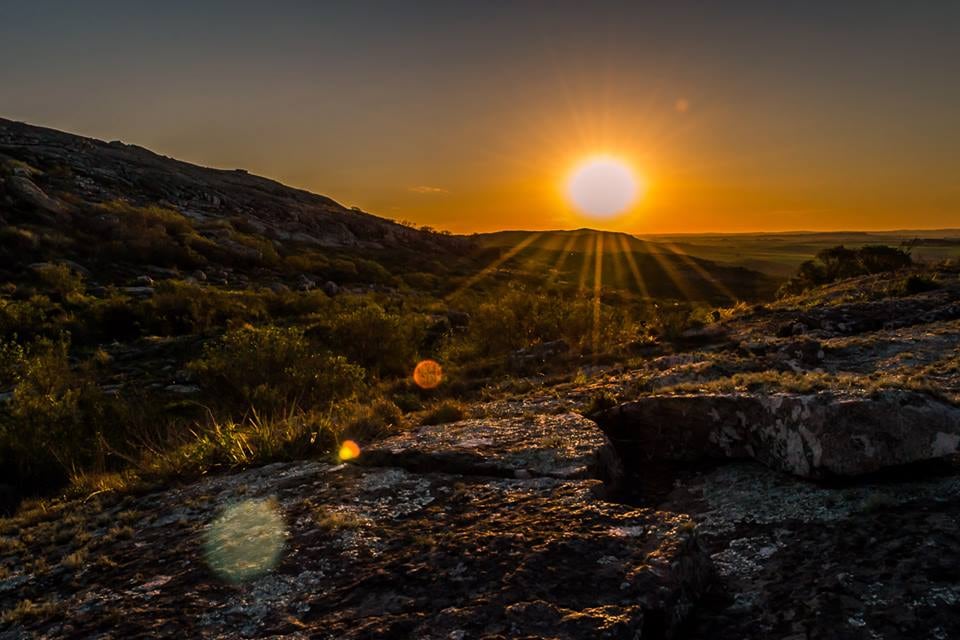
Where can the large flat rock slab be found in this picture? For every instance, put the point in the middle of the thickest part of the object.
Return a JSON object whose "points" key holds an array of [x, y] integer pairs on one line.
{"points": [[814, 436], [561, 445], [322, 551]]}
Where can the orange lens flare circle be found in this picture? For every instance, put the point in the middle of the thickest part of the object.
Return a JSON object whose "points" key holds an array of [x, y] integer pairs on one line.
{"points": [[428, 374], [349, 450]]}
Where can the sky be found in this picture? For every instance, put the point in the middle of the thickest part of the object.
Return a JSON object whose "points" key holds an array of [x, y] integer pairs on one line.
{"points": [[469, 116]]}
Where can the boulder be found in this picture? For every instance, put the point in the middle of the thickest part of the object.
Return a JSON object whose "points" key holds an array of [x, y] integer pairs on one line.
{"points": [[24, 190], [813, 436]]}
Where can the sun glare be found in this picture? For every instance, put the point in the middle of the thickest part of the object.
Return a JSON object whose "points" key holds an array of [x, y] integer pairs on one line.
{"points": [[603, 186]]}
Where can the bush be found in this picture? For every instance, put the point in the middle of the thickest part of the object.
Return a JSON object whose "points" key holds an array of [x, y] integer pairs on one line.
{"points": [[60, 280], [37, 316], [837, 263], [671, 320], [444, 413], [381, 342], [180, 308], [57, 420], [914, 284], [374, 420], [274, 369], [519, 319]]}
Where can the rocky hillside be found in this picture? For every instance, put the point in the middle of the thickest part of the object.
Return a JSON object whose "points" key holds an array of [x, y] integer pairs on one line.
{"points": [[53, 173], [790, 473]]}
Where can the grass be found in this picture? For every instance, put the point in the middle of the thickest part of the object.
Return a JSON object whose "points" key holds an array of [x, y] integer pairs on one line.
{"points": [[443, 413], [26, 610], [805, 383], [330, 520]]}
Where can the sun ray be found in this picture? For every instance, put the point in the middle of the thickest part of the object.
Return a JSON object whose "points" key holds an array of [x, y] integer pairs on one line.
{"points": [[472, 280], [670, 271], [703, 273], [588, 251], [619, 279], [632, 263], [562, 258], [597, 287]]}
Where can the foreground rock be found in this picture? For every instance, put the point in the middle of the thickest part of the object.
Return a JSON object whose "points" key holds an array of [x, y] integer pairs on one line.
{"points": [[812, 436], [799, 560], [317, 550], [556, 446]]}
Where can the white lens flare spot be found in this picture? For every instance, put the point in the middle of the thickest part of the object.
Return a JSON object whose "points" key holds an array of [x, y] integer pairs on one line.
{"points": [[602, 187], [246, 540]]}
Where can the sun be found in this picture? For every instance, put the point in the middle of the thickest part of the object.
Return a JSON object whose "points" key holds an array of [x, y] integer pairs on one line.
{"points": [[603, 186]]}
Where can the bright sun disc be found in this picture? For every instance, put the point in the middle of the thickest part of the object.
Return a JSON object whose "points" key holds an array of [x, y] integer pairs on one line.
{"points": [[602, 187]]}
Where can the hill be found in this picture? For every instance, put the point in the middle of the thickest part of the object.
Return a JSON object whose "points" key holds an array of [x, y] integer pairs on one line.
{"points": [[651, 269]]}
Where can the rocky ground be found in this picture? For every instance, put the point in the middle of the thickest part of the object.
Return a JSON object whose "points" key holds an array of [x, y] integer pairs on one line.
{"points": [[526, 521]]}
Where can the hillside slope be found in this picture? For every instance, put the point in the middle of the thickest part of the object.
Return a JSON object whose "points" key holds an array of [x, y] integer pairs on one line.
{"points": [[71, 169]]}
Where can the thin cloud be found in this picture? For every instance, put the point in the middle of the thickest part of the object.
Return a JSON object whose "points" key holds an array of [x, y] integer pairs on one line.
{"points": [[427, 189]]}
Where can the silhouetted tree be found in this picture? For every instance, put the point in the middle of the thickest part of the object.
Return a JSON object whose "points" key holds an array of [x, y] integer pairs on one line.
{"points": [[837, 263]]}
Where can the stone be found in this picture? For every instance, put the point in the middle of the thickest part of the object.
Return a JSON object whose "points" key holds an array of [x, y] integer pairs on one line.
{"points": [[330, 288], [24, 189], [139, 292], [381, 552], [813, 436], [557, 446]]}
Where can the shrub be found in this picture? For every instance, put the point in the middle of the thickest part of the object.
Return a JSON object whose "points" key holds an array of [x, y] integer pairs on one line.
{"points": [[12, 358], [182, 308], [520, 318], [60, 280], [381, 342], [914, 284], [56, 421], [274, 369], [444, 413], [671, 320], [839, 262], [374, 420], [37, 316]]}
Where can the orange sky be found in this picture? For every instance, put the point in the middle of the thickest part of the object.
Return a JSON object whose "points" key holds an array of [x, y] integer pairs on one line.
{"points": [[742, 116]]}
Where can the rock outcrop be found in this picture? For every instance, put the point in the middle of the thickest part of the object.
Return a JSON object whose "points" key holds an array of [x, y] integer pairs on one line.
{"points": [[813, 436], [431, 545]]}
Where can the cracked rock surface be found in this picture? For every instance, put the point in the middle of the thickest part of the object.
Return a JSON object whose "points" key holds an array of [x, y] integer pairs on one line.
{"points": [[366, 552]]}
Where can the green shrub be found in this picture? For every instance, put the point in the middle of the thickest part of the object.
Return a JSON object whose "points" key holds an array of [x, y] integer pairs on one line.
{"points": [[37, 316], [914, 284], [381, 342], [838, 262], [60, 280], [12, 358], [274, 369], [519, 319], [444, 413], [374, 420], [180, 308], [671, 320], [57, 420]]}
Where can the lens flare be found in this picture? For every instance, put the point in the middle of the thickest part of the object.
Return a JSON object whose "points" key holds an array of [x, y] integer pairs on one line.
{"points": [[349, 450], [246, 540], [428, 374]]}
